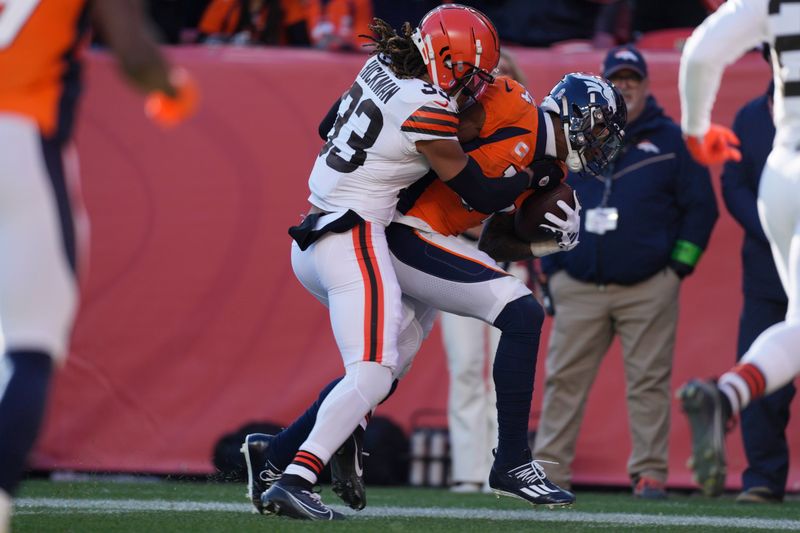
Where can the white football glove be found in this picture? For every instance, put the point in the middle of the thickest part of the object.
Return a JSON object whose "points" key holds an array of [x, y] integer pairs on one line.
{"points": [[566, 230]]}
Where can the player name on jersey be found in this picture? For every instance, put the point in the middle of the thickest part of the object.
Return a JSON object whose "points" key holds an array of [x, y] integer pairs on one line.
{"points": [[379, 81]]}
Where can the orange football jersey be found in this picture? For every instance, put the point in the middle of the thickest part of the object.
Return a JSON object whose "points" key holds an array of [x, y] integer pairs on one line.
{"points": [[39, 44], [507, 142]]}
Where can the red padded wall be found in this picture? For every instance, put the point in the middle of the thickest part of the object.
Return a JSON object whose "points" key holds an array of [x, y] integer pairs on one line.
{"points": [[192, 321]]}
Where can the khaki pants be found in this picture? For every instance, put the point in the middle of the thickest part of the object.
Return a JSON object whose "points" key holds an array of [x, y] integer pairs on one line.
{"points": [[587, 318]]}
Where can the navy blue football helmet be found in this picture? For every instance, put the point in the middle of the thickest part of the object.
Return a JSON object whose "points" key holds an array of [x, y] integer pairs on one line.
{"points": [[593, 114]]}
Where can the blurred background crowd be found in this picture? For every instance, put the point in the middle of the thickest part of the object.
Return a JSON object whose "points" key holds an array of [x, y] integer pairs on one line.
{"points": [[336, 24]]}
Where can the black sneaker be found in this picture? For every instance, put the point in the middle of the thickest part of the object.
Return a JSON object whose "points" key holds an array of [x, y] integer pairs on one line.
{"points": [[297, 502], [529, 482], [702, 403], [347, 471], [261, 474]]}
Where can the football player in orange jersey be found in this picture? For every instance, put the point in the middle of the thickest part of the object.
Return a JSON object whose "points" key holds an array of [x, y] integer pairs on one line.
{"points": [[398, 120], [579, 123], [438, 270], [40, 228], [469, 345]]}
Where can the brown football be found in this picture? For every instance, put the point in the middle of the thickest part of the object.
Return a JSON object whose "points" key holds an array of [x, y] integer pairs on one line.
{"points": [[530, 214]]}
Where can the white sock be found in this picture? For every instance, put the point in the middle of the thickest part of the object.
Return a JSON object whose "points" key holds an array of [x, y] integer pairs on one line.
{"points": [[735, 389], [365, 384], [5, 512]]}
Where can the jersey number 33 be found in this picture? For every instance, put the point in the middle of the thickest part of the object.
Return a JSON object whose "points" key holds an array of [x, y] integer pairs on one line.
{"points": [[359, 107]]}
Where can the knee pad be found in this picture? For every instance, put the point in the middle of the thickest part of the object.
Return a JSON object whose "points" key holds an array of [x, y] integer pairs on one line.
{"points": [[371, 380], [523, 315], [408, 345]]}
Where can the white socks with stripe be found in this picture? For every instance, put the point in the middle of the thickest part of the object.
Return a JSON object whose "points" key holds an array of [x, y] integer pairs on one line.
{"points": [[771, 362], [735, 389], [364, 385]]}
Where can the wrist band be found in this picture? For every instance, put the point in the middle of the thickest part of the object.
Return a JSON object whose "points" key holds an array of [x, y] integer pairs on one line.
{"points": [[686, 252]]}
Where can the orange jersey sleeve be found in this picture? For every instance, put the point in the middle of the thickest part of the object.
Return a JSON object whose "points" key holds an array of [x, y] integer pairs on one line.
{"points": [[38, 60], [507, 142]]}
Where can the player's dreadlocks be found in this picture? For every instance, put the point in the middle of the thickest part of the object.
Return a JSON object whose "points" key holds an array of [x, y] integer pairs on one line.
{"points": [[403, 55]]}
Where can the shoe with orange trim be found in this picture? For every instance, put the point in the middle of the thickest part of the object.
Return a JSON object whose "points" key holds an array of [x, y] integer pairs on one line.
{"points": [[647, 488], [718, 145]]}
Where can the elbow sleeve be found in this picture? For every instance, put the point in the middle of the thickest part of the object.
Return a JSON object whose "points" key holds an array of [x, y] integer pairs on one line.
{"points": [[327, 122], [485, 194]]}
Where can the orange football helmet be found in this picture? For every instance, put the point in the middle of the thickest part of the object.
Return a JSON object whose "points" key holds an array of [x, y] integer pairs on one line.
{"points": [[460, 48]]}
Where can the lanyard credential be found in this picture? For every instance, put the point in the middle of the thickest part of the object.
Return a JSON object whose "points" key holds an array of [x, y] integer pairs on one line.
{"points": [[603, 218]]}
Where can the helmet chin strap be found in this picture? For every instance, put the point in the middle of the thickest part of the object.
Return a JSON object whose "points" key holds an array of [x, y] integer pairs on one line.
{"points": [[573, 161]]}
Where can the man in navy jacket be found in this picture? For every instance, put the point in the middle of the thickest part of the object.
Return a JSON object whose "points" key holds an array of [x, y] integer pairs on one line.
{"points": [[764, 421], [646, 224]]}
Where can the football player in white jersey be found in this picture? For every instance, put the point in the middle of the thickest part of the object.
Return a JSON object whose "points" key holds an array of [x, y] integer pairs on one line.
{"points": [[438, 271], [773, 360], [397, 121]]}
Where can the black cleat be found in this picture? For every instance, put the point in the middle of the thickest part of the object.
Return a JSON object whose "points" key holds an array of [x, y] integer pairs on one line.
{"points": [[261, 474], [529, 482], [702, 403], [347, 471], [297, 502]]}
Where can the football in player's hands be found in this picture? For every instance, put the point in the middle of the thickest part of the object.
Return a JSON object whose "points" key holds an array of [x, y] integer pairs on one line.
{"points": [[530, 215]]}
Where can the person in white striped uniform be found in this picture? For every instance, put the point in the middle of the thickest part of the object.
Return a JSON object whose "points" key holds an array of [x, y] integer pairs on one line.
{"points": [[773, 360]]}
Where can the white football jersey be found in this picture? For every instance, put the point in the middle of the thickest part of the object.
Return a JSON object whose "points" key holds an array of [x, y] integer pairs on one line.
{"points": [[738, 26], [370, 153]]}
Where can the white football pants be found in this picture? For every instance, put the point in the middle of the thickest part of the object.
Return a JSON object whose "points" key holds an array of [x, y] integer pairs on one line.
{"points": [[38, 239], [776, 352]]}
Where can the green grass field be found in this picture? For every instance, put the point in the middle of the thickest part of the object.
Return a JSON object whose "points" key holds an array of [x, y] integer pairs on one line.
{"points": [[100, 505]]}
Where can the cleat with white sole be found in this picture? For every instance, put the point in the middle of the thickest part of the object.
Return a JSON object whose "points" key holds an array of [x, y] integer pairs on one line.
{"points": [[261, 474], [529, 482], [297, 502]]}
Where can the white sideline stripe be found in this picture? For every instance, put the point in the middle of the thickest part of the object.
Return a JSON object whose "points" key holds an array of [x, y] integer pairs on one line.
{"points": [[26, 506]]}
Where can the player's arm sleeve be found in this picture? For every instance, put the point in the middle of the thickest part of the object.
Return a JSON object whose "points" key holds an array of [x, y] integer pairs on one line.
{"points": [[487, 194], [723, 37], [328, 120], [738, 183], [500, 242]]}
